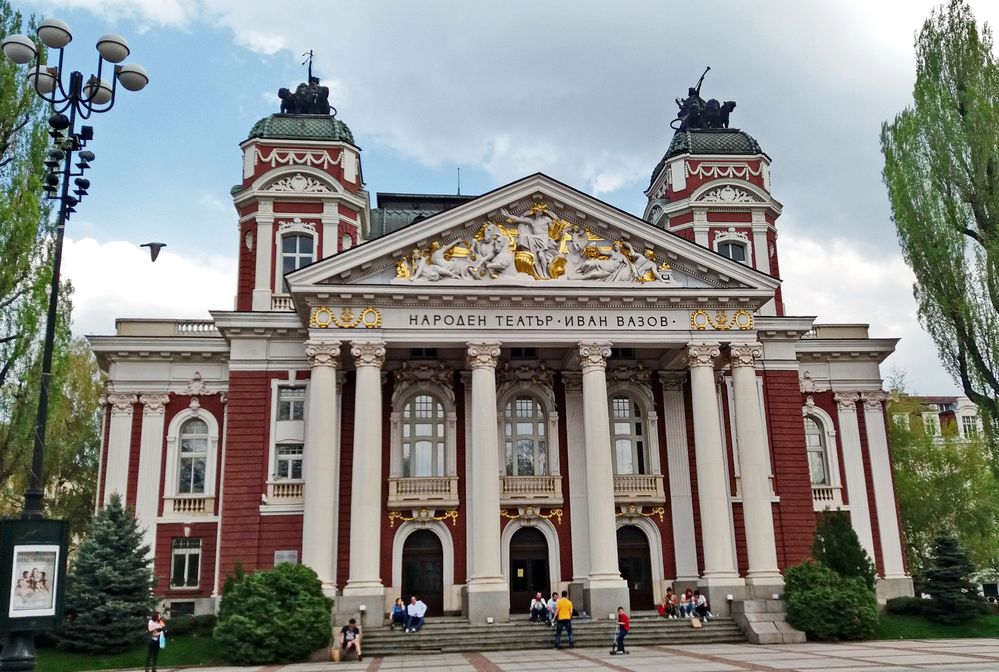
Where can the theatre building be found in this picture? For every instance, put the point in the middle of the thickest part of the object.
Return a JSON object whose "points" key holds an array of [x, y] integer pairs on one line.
{"points": [[475, 398]]}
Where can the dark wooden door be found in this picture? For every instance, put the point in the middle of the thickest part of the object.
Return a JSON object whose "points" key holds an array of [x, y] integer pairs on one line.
{"points": [[636, 566], [423, 570], [528, 569]]}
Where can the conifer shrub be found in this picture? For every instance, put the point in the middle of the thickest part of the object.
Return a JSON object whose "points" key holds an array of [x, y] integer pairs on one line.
{"points": [[273, 616], [954, 598], [907, 606], [109, 591], [827, 606], [837, 546]]}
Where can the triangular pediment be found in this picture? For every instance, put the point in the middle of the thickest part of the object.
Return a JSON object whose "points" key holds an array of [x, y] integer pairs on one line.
{"points": [[536, 233]]}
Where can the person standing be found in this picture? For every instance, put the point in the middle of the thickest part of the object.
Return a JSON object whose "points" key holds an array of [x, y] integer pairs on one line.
{"points": [[563, 620], [155, 627], [416, 611], [623, 627]]}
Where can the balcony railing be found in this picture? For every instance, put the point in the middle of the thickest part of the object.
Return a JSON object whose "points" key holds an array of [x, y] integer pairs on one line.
{"points": [[285, 491], [542, 490], [639, 488], [424, 491], [190, 505], [826, 497], [282, 302]]}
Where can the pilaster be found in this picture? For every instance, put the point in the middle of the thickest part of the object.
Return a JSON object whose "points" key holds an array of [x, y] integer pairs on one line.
{"points": [[119, 445], [680, 494], [884, 486], [853, 465], [147, 498]]}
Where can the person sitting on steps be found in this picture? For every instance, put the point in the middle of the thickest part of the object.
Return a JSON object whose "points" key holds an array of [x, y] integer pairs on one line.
{"points": [[687, 604], [701, 607], [416, 612], [667, 609], [539, 609], [350, 637], [398, 614]]}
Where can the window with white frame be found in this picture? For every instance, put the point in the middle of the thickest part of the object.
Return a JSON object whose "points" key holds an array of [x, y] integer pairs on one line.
{"points": [[627, 435], [291, 403], [524, 434], [815, 444], [931, 424], [193, 457], [423, 436], [297, 250], [969, 426], [289, 461], [185, 565], [732, 250]]}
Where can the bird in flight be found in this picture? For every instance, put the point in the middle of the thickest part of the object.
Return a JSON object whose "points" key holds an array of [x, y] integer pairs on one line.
{"points": [[154, 249]]}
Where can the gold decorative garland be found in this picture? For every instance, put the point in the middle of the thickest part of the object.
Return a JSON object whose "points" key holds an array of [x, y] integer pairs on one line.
{"points": [[741, 320], [530, 513], [633, 511], [424, 515], [323, 317]]}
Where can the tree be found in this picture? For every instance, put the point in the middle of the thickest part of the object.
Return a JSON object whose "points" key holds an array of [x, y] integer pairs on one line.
{"points": [[837, 546], [942, 173], [955, 598], [827, 606], [109, 593], [943, 483]]}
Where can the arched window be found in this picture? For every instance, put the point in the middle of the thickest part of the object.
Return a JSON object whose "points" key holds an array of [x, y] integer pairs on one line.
{"points": [[815, 444], [193, 457], [297, 250], [423, 438], [732, 250], [627, 435], [525, 437]]}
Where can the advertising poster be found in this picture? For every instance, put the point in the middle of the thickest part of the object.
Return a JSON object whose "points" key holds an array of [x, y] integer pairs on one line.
{"points": [[33, 580]]}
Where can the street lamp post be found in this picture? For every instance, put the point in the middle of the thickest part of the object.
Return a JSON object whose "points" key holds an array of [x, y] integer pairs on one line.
{"points": [[77, 98]]}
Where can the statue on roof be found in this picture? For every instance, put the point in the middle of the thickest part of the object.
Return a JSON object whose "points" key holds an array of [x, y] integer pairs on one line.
{"points": [[695, 113], [308, 98]]}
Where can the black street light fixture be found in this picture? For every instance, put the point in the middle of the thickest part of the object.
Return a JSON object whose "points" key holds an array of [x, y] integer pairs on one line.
{"points": [[32, 540]]}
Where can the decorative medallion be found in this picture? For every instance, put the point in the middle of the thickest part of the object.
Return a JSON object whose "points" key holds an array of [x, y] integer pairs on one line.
{"points": [[323, 317], [634, 511], [299, 183], [740, 319], [295, 224], [728, 194]]}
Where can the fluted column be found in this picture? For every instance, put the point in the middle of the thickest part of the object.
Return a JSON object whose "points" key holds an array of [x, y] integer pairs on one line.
{"points": [[884, 485], [853, 467], [712, 475], [366, 480], [754, 468], [119, 445], [321, 462], [488, 596], [147, 499], [681, 501]]}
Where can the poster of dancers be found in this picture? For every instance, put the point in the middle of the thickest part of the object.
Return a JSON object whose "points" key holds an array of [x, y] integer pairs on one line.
{"points": [[33, 580]]}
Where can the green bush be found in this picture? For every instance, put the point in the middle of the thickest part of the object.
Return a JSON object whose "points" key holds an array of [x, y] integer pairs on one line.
{"points": [[907, 606], [955, 598], [827, 606], [273, 616], [837, 546], [199, 626]]}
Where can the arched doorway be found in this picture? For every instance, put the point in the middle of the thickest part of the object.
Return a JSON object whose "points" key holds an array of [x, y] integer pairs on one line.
{"points": [[528, 568], [423, 570], [635, 564]]}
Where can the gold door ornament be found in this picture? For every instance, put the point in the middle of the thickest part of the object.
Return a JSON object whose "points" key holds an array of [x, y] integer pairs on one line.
{"points": [[740, 319], [423, 515], [324, 317]]}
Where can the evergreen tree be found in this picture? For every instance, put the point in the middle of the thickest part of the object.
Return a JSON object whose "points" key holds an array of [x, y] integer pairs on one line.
{"points": [[109, 594], [837, 546], [955, 598]]}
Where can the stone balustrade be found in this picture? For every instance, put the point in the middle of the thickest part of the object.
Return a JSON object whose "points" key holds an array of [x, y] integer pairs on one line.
{"points": [[542, 490], [439, 491], [630, 488]]}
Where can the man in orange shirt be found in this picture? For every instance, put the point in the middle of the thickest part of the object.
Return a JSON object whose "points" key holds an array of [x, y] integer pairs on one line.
{"points": [[563, 620]]}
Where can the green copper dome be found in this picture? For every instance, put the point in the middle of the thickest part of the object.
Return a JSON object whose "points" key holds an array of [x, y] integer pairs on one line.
{"points": [[302, 127], [709, 141]]}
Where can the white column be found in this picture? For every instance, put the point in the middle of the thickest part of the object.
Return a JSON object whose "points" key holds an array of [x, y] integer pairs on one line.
{"points": [[853, 465], [119, 445], [147, 498], [578, 501], [262, 287], [366, 481], [681, 500], [331, 225], [712, 476], [321, 462], [754, 464], [884, 486], [488, 596]]}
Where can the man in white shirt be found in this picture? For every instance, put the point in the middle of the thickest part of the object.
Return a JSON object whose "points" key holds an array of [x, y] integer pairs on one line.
{"points": [[415, 610]]}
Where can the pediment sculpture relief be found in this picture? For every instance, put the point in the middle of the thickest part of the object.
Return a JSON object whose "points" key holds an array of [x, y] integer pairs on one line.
{"points": [[535, 245]]}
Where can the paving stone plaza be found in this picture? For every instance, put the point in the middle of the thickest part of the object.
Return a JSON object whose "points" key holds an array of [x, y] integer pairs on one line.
{"points": [[954, 655]]}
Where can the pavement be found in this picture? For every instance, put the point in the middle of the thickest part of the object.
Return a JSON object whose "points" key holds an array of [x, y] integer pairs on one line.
{"points": [[953, 655]]}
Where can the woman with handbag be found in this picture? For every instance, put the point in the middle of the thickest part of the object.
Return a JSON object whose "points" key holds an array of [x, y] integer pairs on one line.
{"points": [[155, 627]]}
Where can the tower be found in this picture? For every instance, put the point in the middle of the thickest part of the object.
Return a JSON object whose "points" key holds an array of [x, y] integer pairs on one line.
{"points": [[712, 186], [302, 196]]}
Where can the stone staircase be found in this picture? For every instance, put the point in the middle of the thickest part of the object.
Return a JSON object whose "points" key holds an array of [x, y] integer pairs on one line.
{"points": [[455, 634], [765, 622]]}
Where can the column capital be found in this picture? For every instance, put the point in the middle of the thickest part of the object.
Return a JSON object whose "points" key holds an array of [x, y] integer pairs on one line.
{"points": [[122, 403], [483, 354], [846, 401], [594, 354], [745, 354], [873, 400], [368, 353], [154, 404], [673, 381], [703, 354], [323, 353]]}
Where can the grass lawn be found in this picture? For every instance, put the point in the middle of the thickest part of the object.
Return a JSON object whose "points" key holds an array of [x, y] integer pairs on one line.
{"points": [[178, 651], [917, 627]]}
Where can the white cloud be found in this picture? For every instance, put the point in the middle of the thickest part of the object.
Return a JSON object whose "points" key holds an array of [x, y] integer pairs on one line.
{"points": [[116, 280]]}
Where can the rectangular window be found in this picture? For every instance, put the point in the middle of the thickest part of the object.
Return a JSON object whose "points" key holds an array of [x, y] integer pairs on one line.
{"points": [[291, 403], [186, 565], [969, 426], [285, 558], [185, 608], [523, 353], [931, 423], [423, 353], [289, 460], [622, 353]]}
